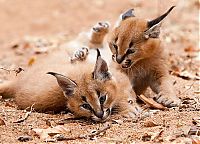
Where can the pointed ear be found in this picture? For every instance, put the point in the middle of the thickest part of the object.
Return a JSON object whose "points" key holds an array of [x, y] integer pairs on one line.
{"points": [[67, 85], [159, 19], [127, 14], [101, 69], [153, 32]]}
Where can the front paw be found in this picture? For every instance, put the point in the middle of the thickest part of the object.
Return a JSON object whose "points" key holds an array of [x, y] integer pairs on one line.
{"points": [[133, 112], [101, 27], [168, 101], [80, 54]]}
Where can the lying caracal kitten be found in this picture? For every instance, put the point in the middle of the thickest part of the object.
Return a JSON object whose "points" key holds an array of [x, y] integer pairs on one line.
{"points": [[85, 91], [137, 50]]}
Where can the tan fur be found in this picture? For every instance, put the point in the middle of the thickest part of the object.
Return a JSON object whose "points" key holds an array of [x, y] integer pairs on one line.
{"points": [[148, 62], [35, 87]]}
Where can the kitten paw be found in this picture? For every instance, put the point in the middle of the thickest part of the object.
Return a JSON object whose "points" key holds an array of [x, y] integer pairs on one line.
{"points": [[133, 112], [168, 101], [80, 54], [101, 27]]}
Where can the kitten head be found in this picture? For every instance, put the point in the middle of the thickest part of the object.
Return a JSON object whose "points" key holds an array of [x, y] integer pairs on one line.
{"points": [[94, 95], [134, 39]]}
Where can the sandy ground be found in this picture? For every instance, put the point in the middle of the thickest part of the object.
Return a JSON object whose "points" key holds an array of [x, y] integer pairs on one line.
{"points": [[51, 19]]}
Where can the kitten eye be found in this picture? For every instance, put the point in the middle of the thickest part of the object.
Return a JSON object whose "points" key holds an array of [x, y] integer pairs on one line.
{"points": [[131, 44], [102, 99], [86, 106], [115, 46], [130, 51]]}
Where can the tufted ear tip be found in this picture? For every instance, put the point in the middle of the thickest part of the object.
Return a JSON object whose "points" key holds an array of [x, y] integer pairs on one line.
{"points": [[128, 14], [101, 68], [98, 53], [160, 18]]}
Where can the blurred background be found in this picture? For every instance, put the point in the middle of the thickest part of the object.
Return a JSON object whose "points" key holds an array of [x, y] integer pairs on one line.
{"points": [[20, 19], [45, 17]]}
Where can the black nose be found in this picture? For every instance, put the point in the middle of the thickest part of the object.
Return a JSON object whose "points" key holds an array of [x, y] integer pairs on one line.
{"points": [[119, 59], [99, 114]]}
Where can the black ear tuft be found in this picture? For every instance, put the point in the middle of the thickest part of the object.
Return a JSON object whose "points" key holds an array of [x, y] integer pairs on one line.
{"points": [[51, 73], [98, 53], [128, 14], [160, 18]]}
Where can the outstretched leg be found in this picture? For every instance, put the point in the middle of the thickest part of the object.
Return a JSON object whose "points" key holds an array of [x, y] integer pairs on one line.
{"points": [[96, 39], [98, 34]]}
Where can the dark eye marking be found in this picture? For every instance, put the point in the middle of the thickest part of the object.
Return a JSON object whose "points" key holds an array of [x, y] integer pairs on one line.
{"points": [[116, 39], [102, 99], [130, 51], [131, 44], [84, 98], [98, 93], [115, 46], [86, 106]]}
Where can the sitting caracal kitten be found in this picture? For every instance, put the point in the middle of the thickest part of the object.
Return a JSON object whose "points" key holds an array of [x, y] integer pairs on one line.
{"points": [[85, 91], [137, 50]]}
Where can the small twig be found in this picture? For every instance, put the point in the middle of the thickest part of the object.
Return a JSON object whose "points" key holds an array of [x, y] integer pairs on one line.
{"points": [[6, 70], [25, 117], [62, 138], [188, 88]]}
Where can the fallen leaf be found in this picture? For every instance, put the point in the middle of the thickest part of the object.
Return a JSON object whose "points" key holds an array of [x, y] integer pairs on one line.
{"points": [[151, 102], [152, 136], [149, 123], [31, 61], [49, 132], [185, 75], [117, 122], [194, 130], [2, 122], [195, 141], [190, 49], [41, 50]]}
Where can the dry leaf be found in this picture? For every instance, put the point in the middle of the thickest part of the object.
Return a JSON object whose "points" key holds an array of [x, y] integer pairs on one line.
{"points": [[190, 49], [31, 61], [151, 102], [41, 50], [2, 122], [149, 123], [151, 136], [117, 121], [49, 132], [195, 141], [194, 130], [185, 75]]}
